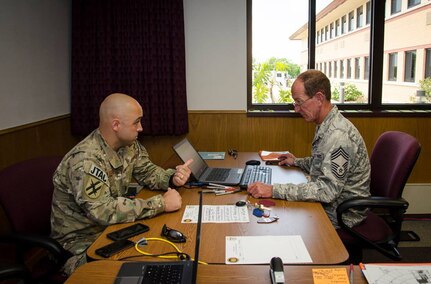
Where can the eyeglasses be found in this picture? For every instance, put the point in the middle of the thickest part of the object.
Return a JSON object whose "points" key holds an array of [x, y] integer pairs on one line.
{"points": [[233, 153], [297, 104], [173, 235]]}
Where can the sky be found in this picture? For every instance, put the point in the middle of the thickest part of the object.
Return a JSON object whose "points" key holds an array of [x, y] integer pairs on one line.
{"points": [[274, 21]]}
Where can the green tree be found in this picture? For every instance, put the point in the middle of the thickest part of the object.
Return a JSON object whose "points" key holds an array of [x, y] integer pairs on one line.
{"points": [[265, 80]]}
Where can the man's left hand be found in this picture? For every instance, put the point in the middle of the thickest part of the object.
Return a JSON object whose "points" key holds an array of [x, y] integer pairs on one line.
{"points": [[182, 173]]}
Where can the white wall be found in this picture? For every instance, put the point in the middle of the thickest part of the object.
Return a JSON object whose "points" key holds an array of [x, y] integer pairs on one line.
{"points": [[216, 58], [34, 60]]}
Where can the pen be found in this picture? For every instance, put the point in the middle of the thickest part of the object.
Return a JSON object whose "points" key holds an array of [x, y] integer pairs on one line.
{"points": [[219, 185], [351, 273]]}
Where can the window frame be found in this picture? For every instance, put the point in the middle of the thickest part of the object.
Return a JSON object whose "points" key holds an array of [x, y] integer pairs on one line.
{"points": [[375, 105]]}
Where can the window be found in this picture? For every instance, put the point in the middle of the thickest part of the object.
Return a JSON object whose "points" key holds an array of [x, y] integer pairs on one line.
{"points": [[395, 6], [368, 13], [366, 67], [410, 66], [393, 64], [335, 69], [412, 3], [427, 62], [359, 17], [349, 69], [357, 68], [365, 60], [351, 21], [337, 27], [343, 25], [341, 69], [331, 34]]}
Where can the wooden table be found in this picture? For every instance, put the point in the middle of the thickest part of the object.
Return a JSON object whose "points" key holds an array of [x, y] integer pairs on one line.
{"points": [[104, 271], [307, 219]]}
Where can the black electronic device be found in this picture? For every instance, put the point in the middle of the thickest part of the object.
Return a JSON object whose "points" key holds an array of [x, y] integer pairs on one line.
{"points": [[128, 232], [276, 271], [113, 248], [252, 163], [240, 203]]}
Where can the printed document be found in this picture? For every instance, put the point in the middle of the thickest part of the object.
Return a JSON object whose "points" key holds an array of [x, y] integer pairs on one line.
{"points": [[216, 214], [260, 249]]}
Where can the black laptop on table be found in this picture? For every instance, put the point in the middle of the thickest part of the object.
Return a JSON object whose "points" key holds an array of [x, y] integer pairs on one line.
{"points": [[200, 169], [181, 272]]}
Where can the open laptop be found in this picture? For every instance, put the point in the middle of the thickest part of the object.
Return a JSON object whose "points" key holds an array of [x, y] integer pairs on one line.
{"points": [[185, 272], [200, 169]]}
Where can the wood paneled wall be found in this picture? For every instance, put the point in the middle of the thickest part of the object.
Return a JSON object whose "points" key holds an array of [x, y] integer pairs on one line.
{"points": [[219, 131]]}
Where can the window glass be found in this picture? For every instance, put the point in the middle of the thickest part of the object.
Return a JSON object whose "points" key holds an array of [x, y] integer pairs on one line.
{"points": [[351, 21], [359, 16], [428, 62], [395, 6], [412, 3], [357, 68], [410, 66], [368, 13], [393, 66], [280, 51]]}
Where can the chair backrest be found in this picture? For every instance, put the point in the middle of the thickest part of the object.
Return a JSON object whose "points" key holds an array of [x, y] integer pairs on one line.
{"points": [[392, 160], [26, 190]]}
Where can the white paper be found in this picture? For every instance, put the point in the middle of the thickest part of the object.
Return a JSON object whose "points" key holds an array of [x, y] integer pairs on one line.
{"points": [[216, 214], [260, 249], [397, 274]]}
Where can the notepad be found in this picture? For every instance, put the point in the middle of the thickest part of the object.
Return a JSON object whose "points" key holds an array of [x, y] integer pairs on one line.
{"points": [[330, 275]]}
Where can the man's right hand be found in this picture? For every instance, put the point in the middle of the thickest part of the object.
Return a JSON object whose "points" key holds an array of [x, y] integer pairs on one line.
{"points": [[172, 199]]}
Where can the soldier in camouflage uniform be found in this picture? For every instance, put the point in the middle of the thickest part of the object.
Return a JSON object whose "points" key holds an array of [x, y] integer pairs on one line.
{"points": [[92, 180], [339, 167]]}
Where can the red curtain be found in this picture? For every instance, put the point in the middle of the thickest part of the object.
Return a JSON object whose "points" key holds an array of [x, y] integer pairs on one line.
{"points": [[134, 47]]}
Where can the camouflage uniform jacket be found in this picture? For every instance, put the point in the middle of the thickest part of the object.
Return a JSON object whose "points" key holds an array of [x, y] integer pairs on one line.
{"points": [[90, 185], [339, 169]]}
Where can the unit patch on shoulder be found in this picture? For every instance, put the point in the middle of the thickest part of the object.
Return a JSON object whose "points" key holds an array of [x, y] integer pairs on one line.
{"points": [[94, 182], [339, 162]]}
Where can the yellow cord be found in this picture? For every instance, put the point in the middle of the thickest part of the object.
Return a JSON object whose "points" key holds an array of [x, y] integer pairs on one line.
{"points": [[161, 256]]}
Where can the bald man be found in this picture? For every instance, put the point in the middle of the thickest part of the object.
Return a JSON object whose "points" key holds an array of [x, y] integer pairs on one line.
{"points": [[92, 181]]}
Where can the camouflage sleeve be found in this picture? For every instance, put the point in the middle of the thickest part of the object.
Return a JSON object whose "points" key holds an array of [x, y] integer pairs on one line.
{"points": [[303, 163], [93, 193], [328, 172], [148, 174]]}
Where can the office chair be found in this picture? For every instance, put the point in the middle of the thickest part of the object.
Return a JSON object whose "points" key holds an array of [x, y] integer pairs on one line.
{"points": [[392, 160], [26, 190]]}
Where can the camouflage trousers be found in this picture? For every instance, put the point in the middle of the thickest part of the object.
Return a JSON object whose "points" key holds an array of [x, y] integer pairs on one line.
{"points": [[74, 262]]}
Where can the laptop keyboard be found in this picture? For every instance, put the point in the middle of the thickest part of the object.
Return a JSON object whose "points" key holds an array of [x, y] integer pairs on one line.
{"points": [[255, 173], [218, 174], [161, 274]]}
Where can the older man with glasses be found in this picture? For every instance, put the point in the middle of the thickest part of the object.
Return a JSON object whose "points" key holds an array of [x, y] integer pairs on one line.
{"points": [[339, 167]]}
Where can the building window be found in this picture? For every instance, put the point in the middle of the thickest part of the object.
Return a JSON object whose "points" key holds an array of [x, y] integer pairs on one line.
{"points": [[337, 27], [359, 16], [321, 35], [427, 62], [357, 68], [410, 66], [343, 25], [331, 34], [351, 21], [349, 68], [366, 67], [412, 3], [330, 69], [326, 33], [368, 13], [335, 69], [393, 66], [395, 6], [341, 69]]}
